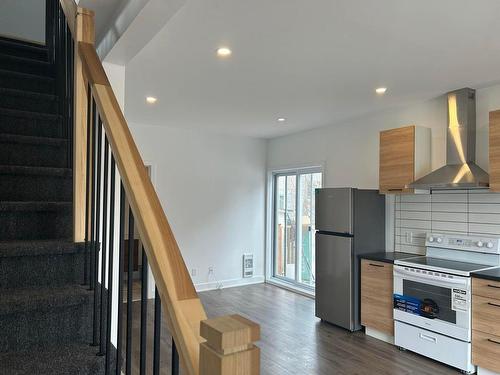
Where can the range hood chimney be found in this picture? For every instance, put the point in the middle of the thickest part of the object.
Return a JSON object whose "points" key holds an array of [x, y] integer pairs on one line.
{"points": [[460, 171]]}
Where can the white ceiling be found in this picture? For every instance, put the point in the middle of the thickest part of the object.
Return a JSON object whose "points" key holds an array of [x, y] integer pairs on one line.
{"points": [[315, 62]]}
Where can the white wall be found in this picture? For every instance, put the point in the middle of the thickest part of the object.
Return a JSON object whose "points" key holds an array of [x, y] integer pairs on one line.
{"points": [[23, 19], [349, 151], [212, 188]]}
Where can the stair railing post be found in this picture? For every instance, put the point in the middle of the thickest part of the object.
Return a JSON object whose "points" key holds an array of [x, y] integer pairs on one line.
{"points": [[229, 349], [84, 31]]}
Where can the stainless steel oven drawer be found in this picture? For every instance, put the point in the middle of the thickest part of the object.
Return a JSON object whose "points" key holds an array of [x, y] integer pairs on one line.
{"points": [[441, 348]]}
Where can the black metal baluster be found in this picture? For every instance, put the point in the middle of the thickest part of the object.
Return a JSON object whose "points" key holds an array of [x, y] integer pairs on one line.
{"points": [[175, 359], [130, 271], [120, 282], [97, 244], [87, 190], [110, 263], [157, 334], [104, 246], [93, 201], [144, 312]]}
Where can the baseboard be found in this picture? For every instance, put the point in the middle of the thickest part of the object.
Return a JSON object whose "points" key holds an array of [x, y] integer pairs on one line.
{"points": [[379, 335], [483, 371], [223, 284]]}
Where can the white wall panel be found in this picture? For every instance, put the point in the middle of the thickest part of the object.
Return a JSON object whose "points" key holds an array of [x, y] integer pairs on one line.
{"points": [[449, 212]]}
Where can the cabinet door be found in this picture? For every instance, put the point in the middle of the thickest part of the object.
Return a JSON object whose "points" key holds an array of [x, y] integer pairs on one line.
{"points": [[377, 296], [397, 159], [494, 140]]}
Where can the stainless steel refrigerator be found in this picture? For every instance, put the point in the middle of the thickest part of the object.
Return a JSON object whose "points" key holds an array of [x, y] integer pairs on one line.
{"points": [[349, 222]]}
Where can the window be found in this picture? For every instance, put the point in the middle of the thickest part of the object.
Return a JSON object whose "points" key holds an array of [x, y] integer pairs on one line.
{"points": [[293, 232]]}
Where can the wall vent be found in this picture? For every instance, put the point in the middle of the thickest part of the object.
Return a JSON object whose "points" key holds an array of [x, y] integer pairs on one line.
{"points": [[247, 265]]}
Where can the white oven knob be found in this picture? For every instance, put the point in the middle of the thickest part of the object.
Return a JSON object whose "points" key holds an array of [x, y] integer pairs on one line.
{"points": [[431, 239], [479, 243], [439, 240], [489, 245]]}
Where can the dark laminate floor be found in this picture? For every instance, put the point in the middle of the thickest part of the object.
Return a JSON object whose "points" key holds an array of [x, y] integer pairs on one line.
{"points": [[295, 342]]}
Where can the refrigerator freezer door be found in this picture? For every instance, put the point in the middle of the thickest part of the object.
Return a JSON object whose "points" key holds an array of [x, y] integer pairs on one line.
{"points": [[334, 210], [334, 289]]}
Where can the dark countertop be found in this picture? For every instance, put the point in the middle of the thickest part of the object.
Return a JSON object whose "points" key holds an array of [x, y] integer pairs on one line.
{"points": [[387, 257], [493, 274]]}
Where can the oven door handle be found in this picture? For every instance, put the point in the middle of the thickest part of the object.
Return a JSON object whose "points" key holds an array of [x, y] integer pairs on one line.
{"points": [[457, 280]]}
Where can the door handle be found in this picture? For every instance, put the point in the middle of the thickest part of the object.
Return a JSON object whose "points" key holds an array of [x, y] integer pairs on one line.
{"points": [[377, 265], [493, 304], [428, 338], [493, 286]]}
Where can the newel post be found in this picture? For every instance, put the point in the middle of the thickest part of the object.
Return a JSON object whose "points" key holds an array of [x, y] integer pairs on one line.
{"points": [[84, 31], [229, 349]]}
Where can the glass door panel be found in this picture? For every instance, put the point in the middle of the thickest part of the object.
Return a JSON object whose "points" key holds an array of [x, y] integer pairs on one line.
{"points": [[285, 227], [294, 226], [306, 251]]}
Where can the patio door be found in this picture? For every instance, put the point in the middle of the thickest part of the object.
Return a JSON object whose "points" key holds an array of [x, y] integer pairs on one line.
{"points": [[294, 226]]}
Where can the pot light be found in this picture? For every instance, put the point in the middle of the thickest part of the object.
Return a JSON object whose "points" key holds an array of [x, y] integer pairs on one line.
{"points": [[281, 119], [224, 52], [381, 90], [151, 99]]}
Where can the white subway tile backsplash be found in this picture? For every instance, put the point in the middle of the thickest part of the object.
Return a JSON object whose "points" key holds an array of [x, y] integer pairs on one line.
{"points": [[439, 226], [446, 198], [483, 208], [413, 215], [449, 207], [484, 218], [464, 212], [493, 229]]}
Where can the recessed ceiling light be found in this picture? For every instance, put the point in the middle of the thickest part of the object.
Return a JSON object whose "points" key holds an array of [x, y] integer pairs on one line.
{"points": [[151, 99], [381, 90], [281, 119], [224, 52]]}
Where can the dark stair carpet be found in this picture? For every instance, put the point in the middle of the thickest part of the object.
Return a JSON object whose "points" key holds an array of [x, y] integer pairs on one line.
{"points": [[45, 312]]}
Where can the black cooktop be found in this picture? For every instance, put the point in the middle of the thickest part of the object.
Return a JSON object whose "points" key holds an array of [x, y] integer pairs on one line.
{"points": [[445, 264]]}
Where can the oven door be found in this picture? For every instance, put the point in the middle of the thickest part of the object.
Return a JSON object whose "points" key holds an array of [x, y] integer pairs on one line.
{"points": [[435, 301]]}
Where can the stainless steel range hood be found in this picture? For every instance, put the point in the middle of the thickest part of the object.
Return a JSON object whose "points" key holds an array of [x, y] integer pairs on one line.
{"points": [[460, 171]]}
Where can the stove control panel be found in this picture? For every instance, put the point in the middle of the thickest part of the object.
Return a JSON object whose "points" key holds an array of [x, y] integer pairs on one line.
{"points": [[489, 245]]}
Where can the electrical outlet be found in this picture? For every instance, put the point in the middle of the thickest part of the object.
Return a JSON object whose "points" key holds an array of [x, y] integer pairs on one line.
{"points": [[409, 237], [194, 272]]}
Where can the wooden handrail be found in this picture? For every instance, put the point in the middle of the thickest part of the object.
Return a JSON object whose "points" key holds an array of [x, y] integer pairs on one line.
{"points": [[182, 308]]}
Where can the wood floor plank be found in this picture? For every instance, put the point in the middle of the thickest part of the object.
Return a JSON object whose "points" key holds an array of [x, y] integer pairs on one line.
{"points": [[294, 341]]}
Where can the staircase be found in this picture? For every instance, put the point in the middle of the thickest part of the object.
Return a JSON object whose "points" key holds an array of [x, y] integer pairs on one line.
{"points": [[45, 313]]}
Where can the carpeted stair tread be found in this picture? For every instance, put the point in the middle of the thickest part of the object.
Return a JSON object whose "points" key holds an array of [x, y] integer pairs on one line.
{"points": [[38, 248], [36, 171], [27, 94], [26, 81], [70, 359], [17, 47], [42, 299], [25, 65], [29, 114], [28, 100], [26, 75], [33, 140], [34, 206]]}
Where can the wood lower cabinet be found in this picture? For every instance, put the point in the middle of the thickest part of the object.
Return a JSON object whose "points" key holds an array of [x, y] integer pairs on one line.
{"points": [[494, 150], [486, 324], [405, 155], [377, 296]]}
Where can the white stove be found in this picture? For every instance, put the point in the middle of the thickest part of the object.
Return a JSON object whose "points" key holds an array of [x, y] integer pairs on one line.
{"points": [[432, 296]]}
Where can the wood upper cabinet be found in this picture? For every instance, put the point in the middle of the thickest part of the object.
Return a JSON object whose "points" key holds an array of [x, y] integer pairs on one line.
{"points": [[486, 324], [405, 155], [494, 150], [377, 296]]}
